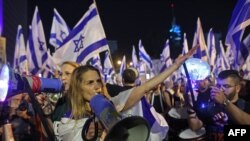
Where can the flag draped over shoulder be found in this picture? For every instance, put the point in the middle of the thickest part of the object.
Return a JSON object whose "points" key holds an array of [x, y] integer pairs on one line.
{"points": [[59, 30], [239, 21], [37, 47], [85, 39], [20, 56]]}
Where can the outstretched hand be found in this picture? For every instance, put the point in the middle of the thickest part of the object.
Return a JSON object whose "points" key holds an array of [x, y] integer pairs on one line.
{"points": [[182, 58]]}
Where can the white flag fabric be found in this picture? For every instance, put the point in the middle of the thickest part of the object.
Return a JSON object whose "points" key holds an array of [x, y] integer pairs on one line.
{"points": [[199, 39], [185, 44], [37, 47], [20, 62], [211, 48], [108, 69], [85, 39], [59, 30], [134, 58]]}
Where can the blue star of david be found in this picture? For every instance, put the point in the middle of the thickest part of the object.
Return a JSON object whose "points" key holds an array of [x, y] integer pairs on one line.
{"points": [[40, 44], [78, 43], [62, 35]]}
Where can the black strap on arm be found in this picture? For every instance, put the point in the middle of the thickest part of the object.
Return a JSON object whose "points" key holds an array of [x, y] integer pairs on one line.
{"points": [[39, 111], [86, 128]]}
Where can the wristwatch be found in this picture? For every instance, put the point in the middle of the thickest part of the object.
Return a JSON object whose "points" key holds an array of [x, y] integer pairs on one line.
{"points": [[226, 102]]}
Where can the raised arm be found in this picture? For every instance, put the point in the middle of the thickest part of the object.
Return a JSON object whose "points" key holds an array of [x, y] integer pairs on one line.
{"points": [[138, 92]]}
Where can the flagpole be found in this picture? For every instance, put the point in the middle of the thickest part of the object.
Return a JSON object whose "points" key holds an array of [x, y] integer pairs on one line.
{"points": [[112, 62]]}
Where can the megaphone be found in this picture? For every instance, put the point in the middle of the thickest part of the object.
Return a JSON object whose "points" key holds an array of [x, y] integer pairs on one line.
{"points": [[134, 128], [12, 83]]}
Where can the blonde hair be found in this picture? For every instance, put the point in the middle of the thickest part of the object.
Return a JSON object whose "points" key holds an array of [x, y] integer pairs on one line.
{"points": [[79, 106], [71, 63]]}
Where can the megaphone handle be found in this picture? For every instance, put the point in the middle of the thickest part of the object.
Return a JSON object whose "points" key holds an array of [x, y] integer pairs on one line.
{"points": [[86, 128]]}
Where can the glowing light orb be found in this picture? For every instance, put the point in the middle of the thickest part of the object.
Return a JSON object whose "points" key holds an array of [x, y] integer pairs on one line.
{"points": [[4, 79], [197, 69]]}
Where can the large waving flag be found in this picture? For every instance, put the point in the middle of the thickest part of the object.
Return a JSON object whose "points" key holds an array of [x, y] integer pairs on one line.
{"points": [[211, 48], [108, 69], [20, 56], [59, 30], [134, 58], [144, 57], [199, 39], [239, 21], [37, 47], [87, 38]]}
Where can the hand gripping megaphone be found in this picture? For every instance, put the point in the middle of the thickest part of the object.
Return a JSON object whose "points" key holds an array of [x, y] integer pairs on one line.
{"points": [[12, 83], [134, 128]]}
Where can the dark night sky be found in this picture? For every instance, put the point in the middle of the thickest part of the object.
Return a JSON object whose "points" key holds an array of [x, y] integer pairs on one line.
{"points": [[127, 21]]}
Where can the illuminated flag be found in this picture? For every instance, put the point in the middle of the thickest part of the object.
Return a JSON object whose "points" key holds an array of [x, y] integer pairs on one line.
{"points": [[239, 21], [86, 39], [59, 30]]}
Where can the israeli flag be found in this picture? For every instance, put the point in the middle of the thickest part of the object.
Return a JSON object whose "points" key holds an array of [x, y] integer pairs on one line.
{"points": [[185, 44], [86, 39], [37, 47], [165, 57], [143, 56], [59, 30], [123, 65], [239, 21], [211, 48], [199, 39], [134, 58], [20, 63], [108, 69]]}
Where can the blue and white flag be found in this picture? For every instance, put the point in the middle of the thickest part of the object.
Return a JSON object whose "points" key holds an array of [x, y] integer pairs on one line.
{"points": [[225, 62], [211, 48], [95, 61], [134, 58], [20, 56], [86, 39], [239, 21], [123, 65], [37, 47], [185, 44], [165, 57], [199, 39], [108, 69], [143, 56], [59, 30]]}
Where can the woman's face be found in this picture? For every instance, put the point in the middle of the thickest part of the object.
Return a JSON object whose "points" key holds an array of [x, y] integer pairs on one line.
{"points": [[91, 84], [65, 76]]}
